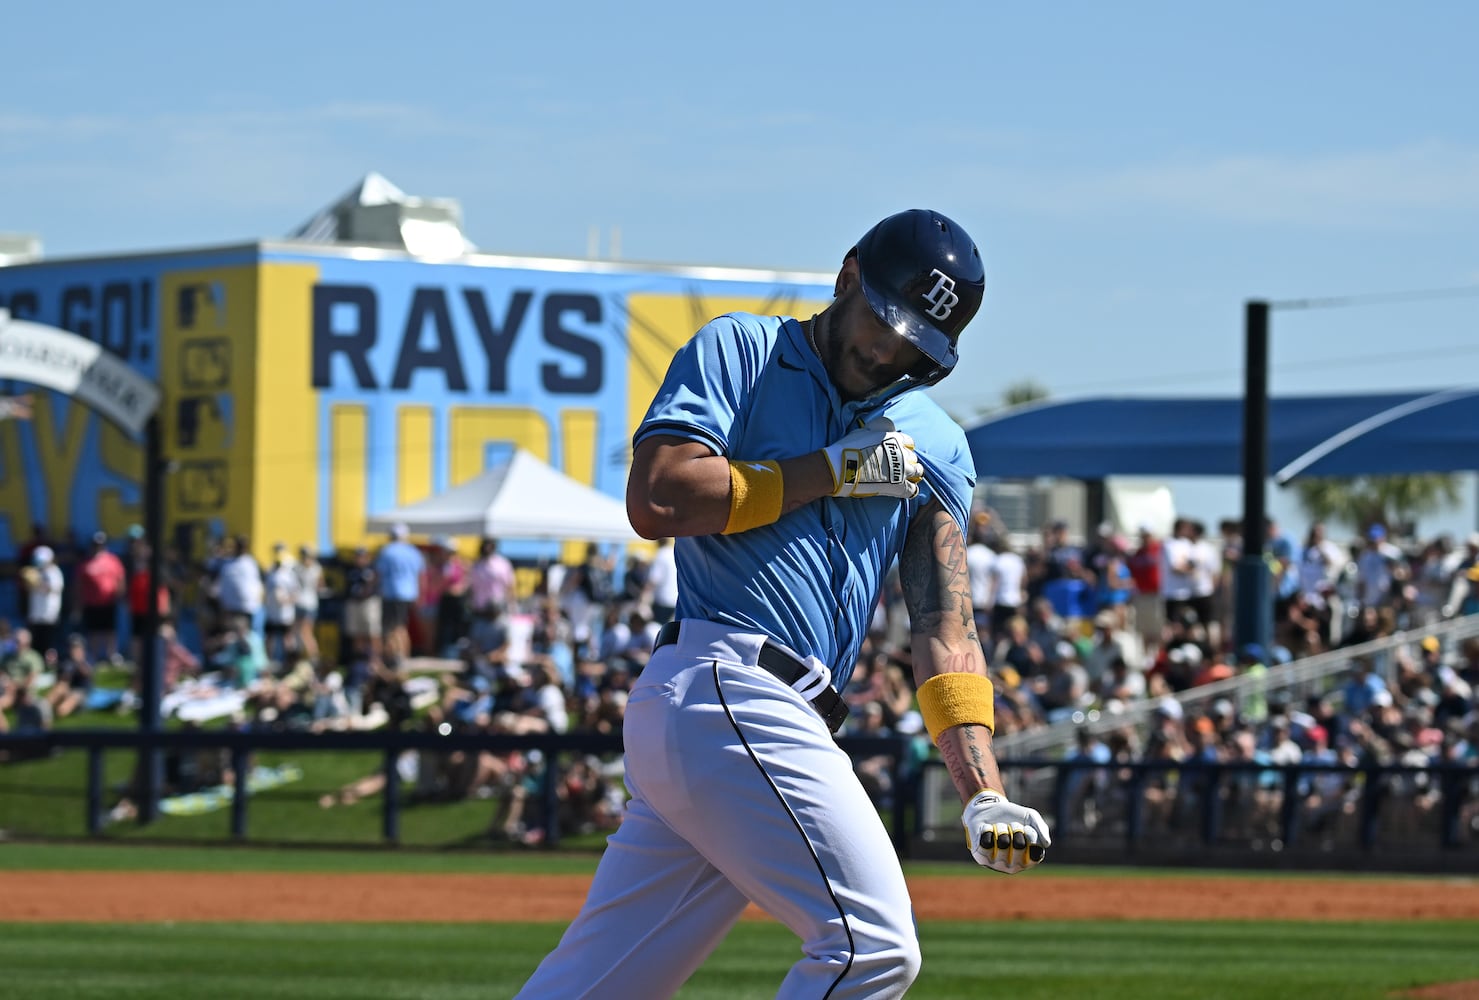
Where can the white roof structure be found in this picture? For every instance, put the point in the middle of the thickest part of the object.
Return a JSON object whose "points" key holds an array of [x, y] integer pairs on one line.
{"points": [[376, 212], [522, 498]]}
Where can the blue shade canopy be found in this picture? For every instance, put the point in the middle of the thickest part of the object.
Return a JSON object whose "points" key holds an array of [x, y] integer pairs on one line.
{"points": [[1369, 434], [1438, 432]]}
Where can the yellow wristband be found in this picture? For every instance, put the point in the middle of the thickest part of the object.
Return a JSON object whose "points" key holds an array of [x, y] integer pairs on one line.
{"points": [[947, 700], [756, 490]]}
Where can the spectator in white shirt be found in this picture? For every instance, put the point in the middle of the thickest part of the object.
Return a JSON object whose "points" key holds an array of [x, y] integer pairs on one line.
{"points": [[280, 603], [44, 584], [240, 585], [978, 562], [1320, 566], [1178, 568], [1008, 573], [1206, 570], [310, 587], [662, 583]]}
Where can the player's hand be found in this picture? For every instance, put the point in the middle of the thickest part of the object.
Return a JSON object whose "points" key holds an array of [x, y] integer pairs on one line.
{"points": [[875, 461], [1002, 835]]}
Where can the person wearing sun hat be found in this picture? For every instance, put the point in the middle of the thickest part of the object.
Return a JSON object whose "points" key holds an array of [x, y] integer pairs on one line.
{"points": [[44, 585]]}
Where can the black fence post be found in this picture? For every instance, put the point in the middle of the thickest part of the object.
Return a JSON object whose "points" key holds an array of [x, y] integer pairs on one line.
{"points": [[1449, 835], [1289, 808], [1134, 807], [151, 667], [1370, 806], [1211, 803], [901, 814], [917, 786], [550, 790], [240, 764], [1061, 805], [94, 790], [391, 827]]}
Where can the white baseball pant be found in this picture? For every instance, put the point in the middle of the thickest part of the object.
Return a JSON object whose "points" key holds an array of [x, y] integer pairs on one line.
{"points": [[739, 793]]}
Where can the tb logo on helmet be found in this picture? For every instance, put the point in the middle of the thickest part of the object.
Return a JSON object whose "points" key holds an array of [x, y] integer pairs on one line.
{"points": [[942, 297]]}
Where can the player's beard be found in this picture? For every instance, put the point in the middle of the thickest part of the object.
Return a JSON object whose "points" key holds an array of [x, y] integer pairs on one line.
{"points": [[851, 374], [831, 350]]}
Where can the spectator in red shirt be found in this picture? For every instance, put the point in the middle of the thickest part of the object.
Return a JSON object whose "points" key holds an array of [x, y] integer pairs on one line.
{"points": [[1145, 569], [138, 603], [101, 585]]}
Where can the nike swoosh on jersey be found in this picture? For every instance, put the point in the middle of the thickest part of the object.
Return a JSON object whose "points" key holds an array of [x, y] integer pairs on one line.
{"points": [[784, 364]]}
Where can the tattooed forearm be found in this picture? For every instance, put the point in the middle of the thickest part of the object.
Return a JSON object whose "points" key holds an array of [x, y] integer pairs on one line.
{"points": [[959, 663], [933, 575], [966, 751], [918, 577]]}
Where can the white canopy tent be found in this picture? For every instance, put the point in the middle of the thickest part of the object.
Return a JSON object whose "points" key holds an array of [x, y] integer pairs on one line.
{"points": [[522, 498]]}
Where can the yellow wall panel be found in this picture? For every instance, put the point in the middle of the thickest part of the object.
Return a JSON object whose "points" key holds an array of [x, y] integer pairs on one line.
{"points": [[578, 443], [208, 378], [13, 500], [285, 491], [473, 427], [349, 427], [415, 433]]}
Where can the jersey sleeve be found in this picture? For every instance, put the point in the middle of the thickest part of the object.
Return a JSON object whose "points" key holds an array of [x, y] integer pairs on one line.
{"points": [[950, 477], [941, 446], [704, 393]]}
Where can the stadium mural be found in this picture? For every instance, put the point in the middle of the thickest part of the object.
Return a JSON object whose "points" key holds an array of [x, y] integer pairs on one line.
{"points": [[305, 388]]}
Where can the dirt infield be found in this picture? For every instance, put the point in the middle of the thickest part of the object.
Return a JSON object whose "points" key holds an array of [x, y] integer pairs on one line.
{"points": [[182, 896]]}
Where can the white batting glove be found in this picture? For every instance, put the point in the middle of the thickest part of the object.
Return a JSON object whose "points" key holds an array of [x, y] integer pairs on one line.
{"points": [[875, 461], [1002, 835]]}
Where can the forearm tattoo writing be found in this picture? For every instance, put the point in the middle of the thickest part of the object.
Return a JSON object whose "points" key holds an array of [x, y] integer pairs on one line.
{"points": [[966, 751]]}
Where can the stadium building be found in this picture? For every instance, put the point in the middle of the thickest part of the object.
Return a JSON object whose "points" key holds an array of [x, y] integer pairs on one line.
{"points": [[370, 360]]}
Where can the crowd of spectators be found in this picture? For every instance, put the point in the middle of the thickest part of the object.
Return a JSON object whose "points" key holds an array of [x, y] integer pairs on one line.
{"points": [[433, 635], [1084, 631]]}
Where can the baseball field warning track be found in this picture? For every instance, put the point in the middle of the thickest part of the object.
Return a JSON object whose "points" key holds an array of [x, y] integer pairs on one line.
{"points": [[258, 896]]}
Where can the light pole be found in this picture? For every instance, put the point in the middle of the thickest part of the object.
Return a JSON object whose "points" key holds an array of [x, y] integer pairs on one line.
{"points": [[1253, 622]]}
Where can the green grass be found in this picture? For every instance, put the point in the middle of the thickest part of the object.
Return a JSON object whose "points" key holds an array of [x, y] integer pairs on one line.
{"points": [[46, 798], [1131, 960], [19, 856], [1195, 961]]}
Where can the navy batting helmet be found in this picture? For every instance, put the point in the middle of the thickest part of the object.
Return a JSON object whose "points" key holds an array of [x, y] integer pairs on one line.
{"points": [[923, 276]]}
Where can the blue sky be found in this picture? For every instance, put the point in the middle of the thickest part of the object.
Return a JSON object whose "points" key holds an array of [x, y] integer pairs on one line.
{"points": [[1132, 171]]}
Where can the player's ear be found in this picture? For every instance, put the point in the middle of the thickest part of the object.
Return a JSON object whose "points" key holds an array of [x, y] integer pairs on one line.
{"points": [[849, 276]]}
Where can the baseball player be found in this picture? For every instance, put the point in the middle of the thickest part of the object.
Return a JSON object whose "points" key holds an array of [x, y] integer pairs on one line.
{"points": [[793, 463]]}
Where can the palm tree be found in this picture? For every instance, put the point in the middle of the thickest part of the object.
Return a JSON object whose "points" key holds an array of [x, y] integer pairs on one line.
{"points": [[1023, 392], [1366, 500], [1016, 394]]}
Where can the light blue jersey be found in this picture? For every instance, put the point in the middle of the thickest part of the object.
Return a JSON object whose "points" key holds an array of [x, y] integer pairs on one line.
{"points": [[400, 565], [747, 386]]}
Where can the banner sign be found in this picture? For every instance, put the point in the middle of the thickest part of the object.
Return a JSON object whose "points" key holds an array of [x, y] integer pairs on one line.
{"points": [[46, 356]]}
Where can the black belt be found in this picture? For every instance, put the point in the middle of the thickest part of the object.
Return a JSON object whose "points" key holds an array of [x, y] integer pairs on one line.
{"points": [[829, 703]]}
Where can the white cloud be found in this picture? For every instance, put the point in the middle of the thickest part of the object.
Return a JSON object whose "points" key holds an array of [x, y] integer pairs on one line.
{"points": [[1377, 188], [291, 159]]}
